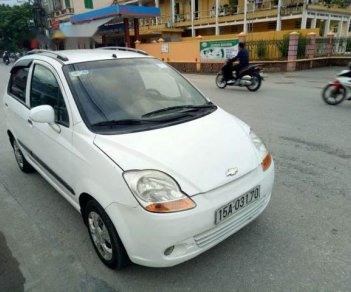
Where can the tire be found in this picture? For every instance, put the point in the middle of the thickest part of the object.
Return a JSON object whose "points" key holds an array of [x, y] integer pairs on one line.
{"points": [[22, 162], [104, 237], [257, 81], [330, 94], [220, 82]]}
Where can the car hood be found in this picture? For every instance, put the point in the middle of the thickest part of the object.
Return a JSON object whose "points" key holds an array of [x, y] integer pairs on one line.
{"points": [[197, 154]]}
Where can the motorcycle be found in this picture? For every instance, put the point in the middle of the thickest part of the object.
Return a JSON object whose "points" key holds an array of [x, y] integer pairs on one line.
{"points": [[339, 90], [15, 56], [250, 77], [6, 57]]}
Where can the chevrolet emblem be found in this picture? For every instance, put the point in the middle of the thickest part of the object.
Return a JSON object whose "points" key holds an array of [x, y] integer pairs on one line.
{"points": [[232, 171]]}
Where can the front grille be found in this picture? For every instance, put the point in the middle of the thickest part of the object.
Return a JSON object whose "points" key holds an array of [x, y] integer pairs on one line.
{"points": [[224, 230]]}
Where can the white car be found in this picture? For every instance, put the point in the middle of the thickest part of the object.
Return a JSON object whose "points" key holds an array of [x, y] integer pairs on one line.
{"points": [[159, 173]]}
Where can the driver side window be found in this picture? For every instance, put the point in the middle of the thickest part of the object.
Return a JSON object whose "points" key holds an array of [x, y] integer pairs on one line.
{"points": [[45, 90]]}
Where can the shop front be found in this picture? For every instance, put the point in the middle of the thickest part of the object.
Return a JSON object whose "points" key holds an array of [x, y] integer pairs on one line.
{"points": [[114, 25]]}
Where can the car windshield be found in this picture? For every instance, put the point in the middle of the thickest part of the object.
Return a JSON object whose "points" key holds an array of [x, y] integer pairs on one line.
{"points": [[138, 92]]}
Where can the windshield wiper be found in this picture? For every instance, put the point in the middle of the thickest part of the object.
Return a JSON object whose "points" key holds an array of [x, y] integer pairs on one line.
{"points": [[123, 122], [181, 108]]}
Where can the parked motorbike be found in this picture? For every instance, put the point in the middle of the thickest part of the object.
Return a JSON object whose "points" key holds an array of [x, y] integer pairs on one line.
{"points": [[6, 57], [15, 56], [250, 77], [339, 90]]}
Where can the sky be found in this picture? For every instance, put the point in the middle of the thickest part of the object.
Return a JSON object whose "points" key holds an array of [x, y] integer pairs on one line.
{"points": [[12, 2]]}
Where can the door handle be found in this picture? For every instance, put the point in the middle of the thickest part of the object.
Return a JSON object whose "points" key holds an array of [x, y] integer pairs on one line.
{"points": [[6, 104], [30, 122]]}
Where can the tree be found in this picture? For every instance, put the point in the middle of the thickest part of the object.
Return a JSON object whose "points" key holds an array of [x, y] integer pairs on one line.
{"points": [[283, 46], [14, 26]]}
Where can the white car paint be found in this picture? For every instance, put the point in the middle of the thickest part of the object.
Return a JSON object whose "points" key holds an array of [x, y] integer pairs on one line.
{"points": [[196, 154], [198, 162]]}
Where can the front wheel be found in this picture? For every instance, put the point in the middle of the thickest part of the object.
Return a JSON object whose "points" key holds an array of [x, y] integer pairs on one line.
{"points": [[104, 237], [220, 82], [333, 94], [22, 162], [256, 82]]}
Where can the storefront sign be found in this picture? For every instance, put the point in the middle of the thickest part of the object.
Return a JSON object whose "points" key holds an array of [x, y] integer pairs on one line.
{"points": [[218, 50], [164, 48]]}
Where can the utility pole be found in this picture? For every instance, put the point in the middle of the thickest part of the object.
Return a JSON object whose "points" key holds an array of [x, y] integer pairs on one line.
{"points": [[245, 16], [40, 19]]}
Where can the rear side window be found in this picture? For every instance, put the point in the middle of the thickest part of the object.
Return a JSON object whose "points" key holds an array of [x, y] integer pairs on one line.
{"points": [[45, 90], [18, 83]]}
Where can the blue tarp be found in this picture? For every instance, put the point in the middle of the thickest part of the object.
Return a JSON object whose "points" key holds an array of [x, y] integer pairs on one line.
{"points": [[124, 11]]}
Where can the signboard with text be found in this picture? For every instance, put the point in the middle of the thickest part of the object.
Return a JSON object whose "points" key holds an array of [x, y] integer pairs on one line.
{"points": [[218, 50], [164, 48]]}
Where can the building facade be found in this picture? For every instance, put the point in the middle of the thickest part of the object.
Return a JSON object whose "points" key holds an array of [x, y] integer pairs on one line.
{"points": [[190, 18], [62, 10], [217, 17]]}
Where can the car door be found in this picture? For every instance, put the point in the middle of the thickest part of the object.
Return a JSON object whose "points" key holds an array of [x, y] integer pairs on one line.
{"points": [[51, 144], [16, 104]]}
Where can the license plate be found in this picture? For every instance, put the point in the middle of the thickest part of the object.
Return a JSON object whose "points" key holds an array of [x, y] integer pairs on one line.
{"points": [[238, 204]]}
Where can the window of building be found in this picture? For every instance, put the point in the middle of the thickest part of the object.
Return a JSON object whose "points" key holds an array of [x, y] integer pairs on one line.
{"points": [[18, 83], [235, 28], [88, 4], [272, 25], [68, 3], [45, 90]]}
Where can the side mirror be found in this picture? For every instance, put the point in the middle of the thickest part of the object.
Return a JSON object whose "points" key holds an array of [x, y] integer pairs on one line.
{"points": [[43, 114]]}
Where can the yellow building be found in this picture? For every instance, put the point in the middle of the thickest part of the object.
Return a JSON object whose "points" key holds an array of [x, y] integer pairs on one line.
{"points": [[62, 10], [189, 18], [217, 17]]}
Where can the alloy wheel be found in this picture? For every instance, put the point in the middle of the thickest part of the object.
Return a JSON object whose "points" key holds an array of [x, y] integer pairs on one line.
{"points": [[101, 237], [18, 155]]}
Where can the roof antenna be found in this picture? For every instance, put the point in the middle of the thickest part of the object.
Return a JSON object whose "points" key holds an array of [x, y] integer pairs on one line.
{"points": [[114, 56]]}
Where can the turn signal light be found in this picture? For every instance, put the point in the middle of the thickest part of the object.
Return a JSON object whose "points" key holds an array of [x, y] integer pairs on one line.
{"points": [[172, 206], [267, 161]]}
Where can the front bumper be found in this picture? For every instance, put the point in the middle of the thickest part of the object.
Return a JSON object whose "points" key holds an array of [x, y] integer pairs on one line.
{"points": [[146, 235]]}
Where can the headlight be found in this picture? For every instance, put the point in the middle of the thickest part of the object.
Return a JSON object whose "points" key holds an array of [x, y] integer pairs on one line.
{"points": [[157, 192], [265, 156]]}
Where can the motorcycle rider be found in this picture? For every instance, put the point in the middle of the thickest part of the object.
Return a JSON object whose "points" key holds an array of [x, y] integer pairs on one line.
{"points": [[6, 57], [242, 57]]}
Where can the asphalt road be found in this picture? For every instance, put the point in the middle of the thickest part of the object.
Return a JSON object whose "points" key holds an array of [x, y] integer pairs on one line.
{"points": [[302, 242]]}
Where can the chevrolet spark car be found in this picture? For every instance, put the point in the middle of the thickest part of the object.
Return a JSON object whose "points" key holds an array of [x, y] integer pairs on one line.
{"points": [[159, 173]]}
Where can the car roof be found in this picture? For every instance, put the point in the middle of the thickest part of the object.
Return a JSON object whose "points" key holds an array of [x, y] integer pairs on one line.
{"points": [[85, 55]]}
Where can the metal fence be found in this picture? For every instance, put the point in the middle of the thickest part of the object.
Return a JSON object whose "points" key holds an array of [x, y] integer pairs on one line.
{"points": [[342, 46], [277, 50], [339, 47], [321, 47], [268, 50]]}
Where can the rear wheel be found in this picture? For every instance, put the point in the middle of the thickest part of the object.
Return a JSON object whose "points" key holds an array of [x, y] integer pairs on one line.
{"points": [[255, 82], [23, 164], [104, 237], [334, 94], [220, 82]]}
